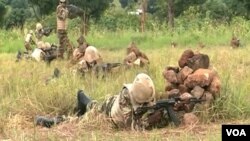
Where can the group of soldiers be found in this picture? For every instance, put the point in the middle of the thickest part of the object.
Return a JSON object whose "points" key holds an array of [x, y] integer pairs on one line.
{"points": [[84, 55], [194, 79], [42, 47], [120, 108]]}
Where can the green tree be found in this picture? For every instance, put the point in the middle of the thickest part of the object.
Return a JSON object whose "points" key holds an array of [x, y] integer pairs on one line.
{"points": [[42, 7], [92, 9], [129, 4], [18, 14], [2, 11], [238, 8]]}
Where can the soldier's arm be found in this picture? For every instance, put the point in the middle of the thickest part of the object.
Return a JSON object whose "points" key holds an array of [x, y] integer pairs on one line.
{"points": [[32, 41], [62, 13]]}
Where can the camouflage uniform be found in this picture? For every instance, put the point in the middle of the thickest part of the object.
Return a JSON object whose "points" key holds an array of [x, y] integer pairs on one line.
{"points": [[126, 118], [39, 32], [29, 41], [62, 14], [121, 108]]}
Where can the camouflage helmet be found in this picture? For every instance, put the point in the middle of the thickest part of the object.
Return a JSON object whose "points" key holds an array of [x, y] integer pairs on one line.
{"points": [[39, 26], [43, 45], [92, 54], [63, 1], [142, 90]]}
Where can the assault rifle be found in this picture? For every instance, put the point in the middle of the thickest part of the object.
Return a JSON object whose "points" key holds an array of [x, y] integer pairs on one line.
{"points": [[168, 105]]}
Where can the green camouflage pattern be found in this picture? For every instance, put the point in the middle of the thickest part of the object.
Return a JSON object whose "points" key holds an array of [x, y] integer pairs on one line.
{"points": [[64, 44]]}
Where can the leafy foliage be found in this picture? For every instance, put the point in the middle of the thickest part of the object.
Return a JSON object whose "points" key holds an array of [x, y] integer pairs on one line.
{"points": [[14, 13], [18, 14], [92, 8], [45, 7], [2, 10]]}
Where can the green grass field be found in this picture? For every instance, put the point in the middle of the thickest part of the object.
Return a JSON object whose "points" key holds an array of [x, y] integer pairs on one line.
{"points": [[24, 94]]}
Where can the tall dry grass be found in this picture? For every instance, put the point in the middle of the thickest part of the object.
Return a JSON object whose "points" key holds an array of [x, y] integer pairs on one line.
{"points": [[24, 94]]}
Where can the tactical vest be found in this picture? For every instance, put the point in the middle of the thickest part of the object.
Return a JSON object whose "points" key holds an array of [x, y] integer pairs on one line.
{"points": [[61, 24]]}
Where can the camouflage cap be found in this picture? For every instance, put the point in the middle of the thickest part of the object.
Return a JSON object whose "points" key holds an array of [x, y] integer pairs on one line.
{"points": [[91, 54], [39, 26], [43, 45], [47, 45], [142, 90]]}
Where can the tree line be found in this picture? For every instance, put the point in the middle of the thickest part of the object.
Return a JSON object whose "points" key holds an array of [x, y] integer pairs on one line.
{"points": [[14, 13]]}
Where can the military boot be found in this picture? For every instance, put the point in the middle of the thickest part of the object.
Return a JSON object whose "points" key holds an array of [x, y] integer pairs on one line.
{"points": [[82, 103], [48, 122]]}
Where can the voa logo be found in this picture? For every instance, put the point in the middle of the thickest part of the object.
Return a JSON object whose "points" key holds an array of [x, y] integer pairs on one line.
{"points": [[236, 132]]}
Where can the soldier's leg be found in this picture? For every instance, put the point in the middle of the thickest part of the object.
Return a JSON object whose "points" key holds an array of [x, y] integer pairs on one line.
{"points": [[61, 49], [27, 47], [82, 102], [106, 106], [69, 46]]}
